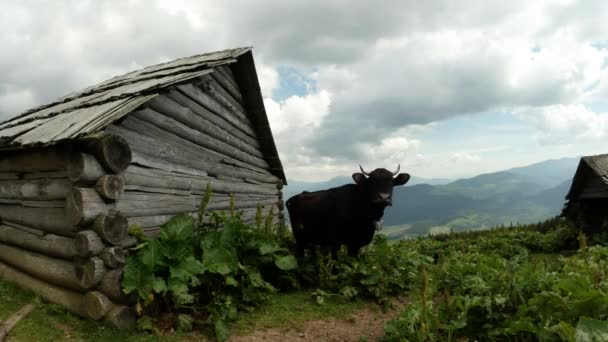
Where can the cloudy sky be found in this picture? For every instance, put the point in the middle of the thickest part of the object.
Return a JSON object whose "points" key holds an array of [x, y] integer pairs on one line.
{"points": [[446, 88]]}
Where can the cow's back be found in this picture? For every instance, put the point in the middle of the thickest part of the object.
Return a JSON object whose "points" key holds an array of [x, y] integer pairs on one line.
{"points": [[323, 217]]}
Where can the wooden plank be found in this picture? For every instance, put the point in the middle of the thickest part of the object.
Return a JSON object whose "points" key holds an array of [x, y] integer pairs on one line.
{"points": [[211, 104], [136, 125], [139, 176], [230, 87], [35, 189], [34, 204], [56, 271], [191, 114], [52, 220], [186, 157], [246, 77], [71, 300], [48, 159], [48, 244], [209, 142], [184, 100], [221, 96], [8, 324]]}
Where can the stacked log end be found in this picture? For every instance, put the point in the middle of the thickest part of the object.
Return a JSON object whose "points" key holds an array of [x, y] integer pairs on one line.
{"points": [[59, 233], [66, 210]]}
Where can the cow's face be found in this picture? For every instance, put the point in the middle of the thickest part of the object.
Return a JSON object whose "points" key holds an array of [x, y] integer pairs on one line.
{"points": [[379, 184]]}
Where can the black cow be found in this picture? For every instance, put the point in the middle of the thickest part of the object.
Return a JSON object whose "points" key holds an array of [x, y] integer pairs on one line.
{"points": [[346, 215]]}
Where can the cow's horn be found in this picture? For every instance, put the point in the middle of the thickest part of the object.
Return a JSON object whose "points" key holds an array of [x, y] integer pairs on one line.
{"points": [[363, 171], [398, 168]]}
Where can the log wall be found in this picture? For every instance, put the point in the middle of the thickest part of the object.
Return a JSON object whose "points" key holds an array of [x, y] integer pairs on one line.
{"points": [[65, 210]]}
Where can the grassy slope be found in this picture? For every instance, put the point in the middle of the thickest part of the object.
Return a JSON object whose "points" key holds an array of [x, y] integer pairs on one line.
{"points": [[51, 323]]}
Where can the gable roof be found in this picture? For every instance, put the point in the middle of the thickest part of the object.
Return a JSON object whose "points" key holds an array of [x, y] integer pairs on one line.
{"points": [[588, 166], [94, 108]]}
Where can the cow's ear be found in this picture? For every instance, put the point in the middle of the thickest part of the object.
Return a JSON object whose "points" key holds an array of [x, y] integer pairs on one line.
{"points": [[401, 179], [359, 178]]}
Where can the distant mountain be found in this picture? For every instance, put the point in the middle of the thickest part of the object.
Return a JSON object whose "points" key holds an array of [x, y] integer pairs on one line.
{"points": [[549, 173], [518, 195]]}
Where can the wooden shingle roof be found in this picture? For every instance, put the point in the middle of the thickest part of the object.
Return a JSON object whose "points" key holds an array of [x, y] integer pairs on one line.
{"points": [[94, 108], [587, 167]]}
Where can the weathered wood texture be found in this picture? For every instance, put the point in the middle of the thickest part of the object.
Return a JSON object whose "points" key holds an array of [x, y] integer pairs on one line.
{"points": [[151, 223], [111, 286], [113, 152], [52, 220], [142, 204], [177, 106], [9, 323], [83, 205], [228, 84], [186, 156], [84, 168], [35, 189], [110, 186], [55, 271], [135, 124], [113, 257], [97, 304], [88, 243], [213, 120], [211, 104], [49, 244], [89, 272], [112, 226], [47, 159], [246, 77], [158, 117], [69, 299], [121, 317], [154, 178]]}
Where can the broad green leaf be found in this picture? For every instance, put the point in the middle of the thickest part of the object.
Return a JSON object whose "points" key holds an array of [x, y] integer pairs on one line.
{"points": [[230, 280], [222, 330], [180, 292], [136, 277], [179, 228], [187, 270], [220, 260], [286, 263], [159, 285], [268, 247], [151, 255], [589, 329]]}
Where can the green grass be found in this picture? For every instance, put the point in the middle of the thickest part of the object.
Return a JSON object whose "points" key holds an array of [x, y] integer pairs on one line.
{"points": [[50, 322], [291, 309]]}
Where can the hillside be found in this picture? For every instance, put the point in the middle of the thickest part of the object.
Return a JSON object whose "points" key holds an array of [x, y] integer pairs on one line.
{"points": [[518, 195]]}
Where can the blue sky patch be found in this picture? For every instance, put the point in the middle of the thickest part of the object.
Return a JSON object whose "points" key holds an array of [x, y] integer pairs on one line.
{"points": [[293, 82]]}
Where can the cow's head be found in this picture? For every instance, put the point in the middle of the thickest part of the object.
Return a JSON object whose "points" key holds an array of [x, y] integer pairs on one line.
{"points": [[379, 184]]}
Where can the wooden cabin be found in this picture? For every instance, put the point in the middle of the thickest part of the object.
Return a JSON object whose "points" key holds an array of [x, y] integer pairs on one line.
{"points": [[135, 149], [587, 200]]}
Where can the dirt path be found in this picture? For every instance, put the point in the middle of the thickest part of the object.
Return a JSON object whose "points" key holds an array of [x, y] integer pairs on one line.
{"points": [[364, 325]]}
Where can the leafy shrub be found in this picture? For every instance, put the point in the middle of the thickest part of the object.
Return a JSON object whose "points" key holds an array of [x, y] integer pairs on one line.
{"points": [[487, 297], [382, 270], [219, 268]]}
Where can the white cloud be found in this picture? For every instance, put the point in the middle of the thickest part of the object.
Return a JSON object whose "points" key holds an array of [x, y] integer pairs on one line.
{"points": [[565, 124], [14, 100], [268, 78], [377, 73], [464, 157]]}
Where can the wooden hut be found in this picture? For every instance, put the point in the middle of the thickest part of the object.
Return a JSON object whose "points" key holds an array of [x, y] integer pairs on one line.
{"points": [[135, 149], [587, 201]]}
